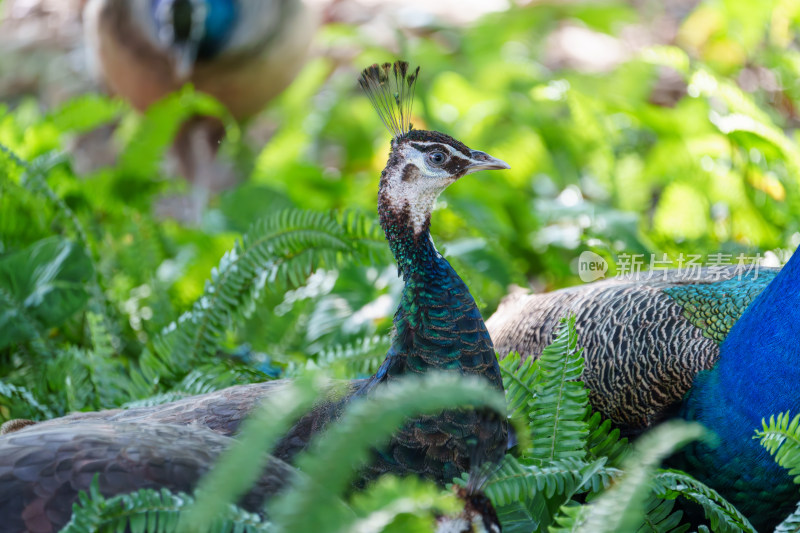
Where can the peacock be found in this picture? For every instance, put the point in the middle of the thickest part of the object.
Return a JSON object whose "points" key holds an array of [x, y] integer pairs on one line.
{"points": [[242, 52], [43, 468], [437, 326], [720, 346]]}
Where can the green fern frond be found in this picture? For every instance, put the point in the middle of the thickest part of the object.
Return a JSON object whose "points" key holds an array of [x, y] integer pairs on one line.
{"points": [[559, 407], [659, 517], [790, 524], [70, 375], [34, 179], [519, 378], [22, 402], [150, 511], [781, 438], [278, 252], [604, 441], [723, 516], [102, 341], [212, 377], [363, 356], [621, 508], [158, 399], [514, 481]]}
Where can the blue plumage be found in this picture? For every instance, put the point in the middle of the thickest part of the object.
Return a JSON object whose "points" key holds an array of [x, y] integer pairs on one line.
{"points": [[758, 375]]}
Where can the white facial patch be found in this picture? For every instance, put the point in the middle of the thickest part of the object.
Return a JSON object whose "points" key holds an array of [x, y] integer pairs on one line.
{"points": [[420, 191]]}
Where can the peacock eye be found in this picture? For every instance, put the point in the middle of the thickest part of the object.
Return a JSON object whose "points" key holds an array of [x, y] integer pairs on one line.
{"points": [[437, 158]]}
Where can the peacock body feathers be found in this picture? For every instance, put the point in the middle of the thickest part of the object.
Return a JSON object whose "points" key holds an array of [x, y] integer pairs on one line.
{"points": [[720, 347], [44, 467]]}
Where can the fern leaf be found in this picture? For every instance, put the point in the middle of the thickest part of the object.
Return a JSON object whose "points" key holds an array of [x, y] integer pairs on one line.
{"points": [[514, 481], [23, 402], [361, 357], [158, 399], [621, 508], [660, 518], [277, 252], [781, 437], [604, 441], [151, 511], [382, 502], [790, 524], [86, 113], [558, 409], [519, 378], [721, 514]]}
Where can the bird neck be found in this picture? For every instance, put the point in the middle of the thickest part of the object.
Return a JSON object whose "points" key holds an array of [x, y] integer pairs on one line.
{"points": [[437, 324], [759, 364]]}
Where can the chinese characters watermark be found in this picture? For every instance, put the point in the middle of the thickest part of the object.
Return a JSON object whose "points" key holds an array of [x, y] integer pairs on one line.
{"points": [[643, 267]]}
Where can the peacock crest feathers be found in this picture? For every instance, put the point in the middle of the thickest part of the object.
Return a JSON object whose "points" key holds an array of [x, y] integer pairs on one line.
{"points": [[390, 89]]}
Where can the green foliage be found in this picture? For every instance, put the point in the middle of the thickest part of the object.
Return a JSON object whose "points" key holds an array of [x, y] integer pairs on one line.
{"points": [[781, 437], [621, 508], [32, 408], [519, 378], [41, 287], [560, 402], [722, 515], [515, 481], [154, 511], [791, 523], [278, 252], [362, 357], [604, 441]]}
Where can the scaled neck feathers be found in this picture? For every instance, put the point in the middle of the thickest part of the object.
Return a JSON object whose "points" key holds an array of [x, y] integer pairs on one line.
{"points": [[759, 366]]}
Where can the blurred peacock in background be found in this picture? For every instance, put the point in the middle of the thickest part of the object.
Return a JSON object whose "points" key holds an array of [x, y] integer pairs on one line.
{"points": [[437, 327], [242, 52], [719, 346]]}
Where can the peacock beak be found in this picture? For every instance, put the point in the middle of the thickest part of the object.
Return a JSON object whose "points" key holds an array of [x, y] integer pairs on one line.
{"points": [[483, 161]]}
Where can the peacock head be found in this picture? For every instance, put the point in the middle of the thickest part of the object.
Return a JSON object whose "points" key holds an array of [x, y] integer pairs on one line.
{"points": [[193, 29], [422, 163]]}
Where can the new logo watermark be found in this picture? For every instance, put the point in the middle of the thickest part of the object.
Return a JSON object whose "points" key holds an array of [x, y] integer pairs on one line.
{"points": [[591, 267]]}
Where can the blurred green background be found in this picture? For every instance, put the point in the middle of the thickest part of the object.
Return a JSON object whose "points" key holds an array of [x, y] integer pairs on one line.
{"points": [[630, 127]]}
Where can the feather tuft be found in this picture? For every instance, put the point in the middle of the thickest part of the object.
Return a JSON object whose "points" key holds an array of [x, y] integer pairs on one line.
{"points": [[390, 89]]}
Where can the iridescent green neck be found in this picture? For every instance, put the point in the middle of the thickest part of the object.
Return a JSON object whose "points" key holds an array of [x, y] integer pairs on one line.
{"points": [[438, 325]]}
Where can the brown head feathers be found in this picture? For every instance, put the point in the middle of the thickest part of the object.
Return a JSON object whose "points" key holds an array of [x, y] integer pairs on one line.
{"points": [[390, 89]]}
